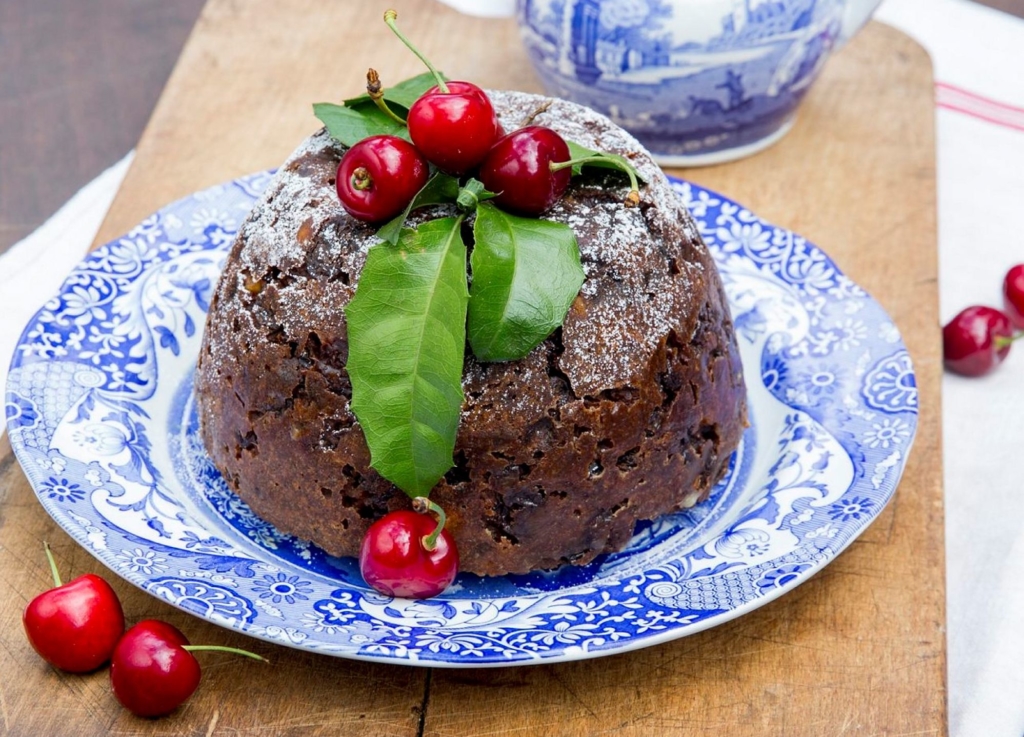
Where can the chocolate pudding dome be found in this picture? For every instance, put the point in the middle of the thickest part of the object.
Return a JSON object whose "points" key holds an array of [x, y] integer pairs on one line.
{"points": [[629, 411]]}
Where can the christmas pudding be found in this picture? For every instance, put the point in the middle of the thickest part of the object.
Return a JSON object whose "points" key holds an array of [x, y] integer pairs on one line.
{"points": [[627, 411]]}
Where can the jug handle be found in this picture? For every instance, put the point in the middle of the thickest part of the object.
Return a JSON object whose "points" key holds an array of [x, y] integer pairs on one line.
{"points": [[855, 14]]}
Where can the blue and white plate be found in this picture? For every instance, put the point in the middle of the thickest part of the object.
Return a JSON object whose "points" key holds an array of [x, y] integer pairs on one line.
{"points": [[100, 413]]}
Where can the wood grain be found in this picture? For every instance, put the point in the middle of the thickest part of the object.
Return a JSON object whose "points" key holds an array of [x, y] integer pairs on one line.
{"points": [[856, 650]]}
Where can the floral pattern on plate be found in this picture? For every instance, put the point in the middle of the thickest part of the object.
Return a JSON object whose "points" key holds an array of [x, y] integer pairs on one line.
{"points": [[100, 414]]}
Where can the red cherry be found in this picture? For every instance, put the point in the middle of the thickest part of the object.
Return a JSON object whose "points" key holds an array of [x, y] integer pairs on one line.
{"points": [[151, 672], [518, 168], [1013, 295], [75, 626], [453, 123], [454, 129], [395, 560], [379, 176], [976, 341]]}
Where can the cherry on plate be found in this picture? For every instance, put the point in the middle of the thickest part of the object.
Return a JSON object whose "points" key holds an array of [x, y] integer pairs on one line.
{"points": [[74, 626], [976, 340], [518, 169], [1013, 295], [409, 555], [378, 177]]}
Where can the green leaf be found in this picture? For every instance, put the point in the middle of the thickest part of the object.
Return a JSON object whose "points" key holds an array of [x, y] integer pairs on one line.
{"points": [[526, 274], [599, 159], [351, 125], [404, 93], [407, 339], [439, 189]]}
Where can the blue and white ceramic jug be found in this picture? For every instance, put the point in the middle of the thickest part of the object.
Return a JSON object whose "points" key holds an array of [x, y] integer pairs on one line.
{"points": [[697, 81]]}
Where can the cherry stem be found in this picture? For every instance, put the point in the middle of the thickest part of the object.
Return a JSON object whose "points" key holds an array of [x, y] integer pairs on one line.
{"points": [[542, 108], [361, 179], [223, 649], [423, 505], [390, 16], [376, 92], [53, 565], [1001, 341], [633, 198]]}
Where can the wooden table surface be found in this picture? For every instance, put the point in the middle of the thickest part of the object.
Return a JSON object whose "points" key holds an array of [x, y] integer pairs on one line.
{"points": [[856, 650]]}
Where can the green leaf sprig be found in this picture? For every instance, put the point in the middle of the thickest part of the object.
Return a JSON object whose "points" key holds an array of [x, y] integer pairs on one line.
{"points": [[414, 304], [526, 274], [580, 156], [408, 319], [438, 190], [407, 338]]}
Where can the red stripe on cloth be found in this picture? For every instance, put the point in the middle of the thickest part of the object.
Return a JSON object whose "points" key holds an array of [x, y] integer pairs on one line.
{"points": [[963, 101], [974, 114], [942, 87]]}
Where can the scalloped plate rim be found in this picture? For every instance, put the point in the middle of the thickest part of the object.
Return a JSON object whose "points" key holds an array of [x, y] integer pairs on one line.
{"points": [[145, 582]]}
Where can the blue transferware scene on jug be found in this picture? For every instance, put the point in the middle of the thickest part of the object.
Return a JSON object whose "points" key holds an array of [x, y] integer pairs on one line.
{"points": [[696, 81]]}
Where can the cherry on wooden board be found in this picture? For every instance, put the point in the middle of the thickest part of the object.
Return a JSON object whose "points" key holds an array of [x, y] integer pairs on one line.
{"points": [[74, 626]]}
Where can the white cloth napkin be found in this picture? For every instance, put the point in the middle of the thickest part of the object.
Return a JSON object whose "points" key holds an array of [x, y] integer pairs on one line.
{"points": [[979, 56]]}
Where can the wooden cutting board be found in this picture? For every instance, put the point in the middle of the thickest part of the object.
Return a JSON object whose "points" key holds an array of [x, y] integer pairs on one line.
{"points": [[859, 649]]}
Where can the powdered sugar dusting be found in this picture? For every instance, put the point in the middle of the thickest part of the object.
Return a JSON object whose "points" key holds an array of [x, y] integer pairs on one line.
{"points": [[300, 245], [630, 299]]}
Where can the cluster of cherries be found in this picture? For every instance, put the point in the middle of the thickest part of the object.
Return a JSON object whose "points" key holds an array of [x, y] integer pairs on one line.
{"points": [[79, 626], [454, 127], [979, 338]]}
